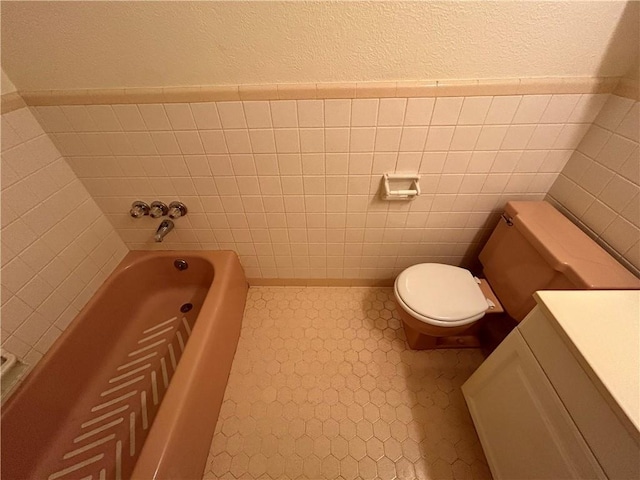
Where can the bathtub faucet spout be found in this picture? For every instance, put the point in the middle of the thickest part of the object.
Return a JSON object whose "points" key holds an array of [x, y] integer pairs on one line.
{"points": [[165, 227]]}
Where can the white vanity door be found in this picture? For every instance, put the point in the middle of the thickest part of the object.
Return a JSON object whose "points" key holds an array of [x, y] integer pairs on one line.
{"points": [[525, 431]]}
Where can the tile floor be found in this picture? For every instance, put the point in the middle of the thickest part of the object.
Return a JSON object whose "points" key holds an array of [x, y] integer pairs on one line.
{"points": [[324, 387]]}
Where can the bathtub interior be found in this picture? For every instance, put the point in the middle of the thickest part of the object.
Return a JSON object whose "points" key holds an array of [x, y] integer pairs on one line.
{"points": [[89, 409]]}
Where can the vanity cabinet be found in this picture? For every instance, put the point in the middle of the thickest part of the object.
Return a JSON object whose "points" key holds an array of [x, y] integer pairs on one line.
{"points": [[560, 396]]}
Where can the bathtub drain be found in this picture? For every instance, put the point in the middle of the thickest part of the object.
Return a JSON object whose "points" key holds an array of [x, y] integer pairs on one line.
{"points": [[181, 264], [186, 307]]}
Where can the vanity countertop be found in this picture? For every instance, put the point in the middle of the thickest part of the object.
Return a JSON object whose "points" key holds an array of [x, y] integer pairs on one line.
{"points": [[603, 327]]}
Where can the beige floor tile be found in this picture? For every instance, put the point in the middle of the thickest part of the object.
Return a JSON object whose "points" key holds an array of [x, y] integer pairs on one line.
{"points": [[323, 387]]}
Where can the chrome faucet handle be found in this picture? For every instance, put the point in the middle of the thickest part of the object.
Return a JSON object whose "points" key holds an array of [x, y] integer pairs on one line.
{"points": [[139, 209], [177, 210], [158, 209]]}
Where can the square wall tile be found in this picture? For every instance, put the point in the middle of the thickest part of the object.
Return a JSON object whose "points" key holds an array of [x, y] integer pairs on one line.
{"points": [[502, 110], [258, 114], [446, 110]]}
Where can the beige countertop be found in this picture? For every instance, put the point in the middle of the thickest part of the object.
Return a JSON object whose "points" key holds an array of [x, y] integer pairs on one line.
{"points": [[604, 327]]}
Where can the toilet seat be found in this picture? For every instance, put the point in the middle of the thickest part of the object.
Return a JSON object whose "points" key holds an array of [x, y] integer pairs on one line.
{"points": [[441, 295]]}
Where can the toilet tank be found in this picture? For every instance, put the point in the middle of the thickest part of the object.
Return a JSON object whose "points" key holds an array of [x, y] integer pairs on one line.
{"points": [[544, 250]]}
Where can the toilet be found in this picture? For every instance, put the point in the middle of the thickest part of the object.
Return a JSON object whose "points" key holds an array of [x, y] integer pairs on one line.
{"points": [[534, 247]]}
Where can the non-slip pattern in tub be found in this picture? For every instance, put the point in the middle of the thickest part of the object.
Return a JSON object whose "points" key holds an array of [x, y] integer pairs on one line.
{"points": [[104, 436]]}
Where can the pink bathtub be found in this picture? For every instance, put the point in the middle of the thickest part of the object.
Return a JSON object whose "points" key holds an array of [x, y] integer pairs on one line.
{"points": [[133, 388]]}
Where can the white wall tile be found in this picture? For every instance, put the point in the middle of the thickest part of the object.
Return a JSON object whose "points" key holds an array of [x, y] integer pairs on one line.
{"points": [[517, 137], [313, 164], [38, 263], [287, 140], [243, 164], [419, 111], [262, 141], [311, 140], [531, 108], [409, 162], [336, 140], [614, 153], [474, 110], [465, 137], [481, 162], [337, 113], [364, 112], [599, 185], [613, 112], [559, 108], [502, 110], [129, 117], [491, 137], [456, 162], [362, 139], [284, 113], [258, 114], [544, 136], [446, 110], [213, 141], [291, 178], [190, 143], [391, 111], [52, 119], [439, 138], [336, 163], [593, 141], [232, 115], [630, 125], [206, 115], [413, 139], [433, 162], [180, 116], [571, 135], [79, 118], [237, 141], [387, 139], [310, 113], [588, 107], [154, 116]]}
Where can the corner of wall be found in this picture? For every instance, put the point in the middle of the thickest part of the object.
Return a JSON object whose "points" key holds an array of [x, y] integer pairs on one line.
{"points": [[7, 86], [57, 246]]}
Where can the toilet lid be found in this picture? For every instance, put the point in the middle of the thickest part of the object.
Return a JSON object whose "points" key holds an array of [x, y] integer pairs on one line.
{"points": [[441, 292]]}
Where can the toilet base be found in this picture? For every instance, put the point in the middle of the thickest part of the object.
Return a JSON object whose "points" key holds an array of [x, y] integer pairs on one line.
{"points": [[421, 341], [421, 336]]}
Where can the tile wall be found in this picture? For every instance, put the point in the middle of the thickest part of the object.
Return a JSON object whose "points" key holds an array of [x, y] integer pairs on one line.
{"points": [[600, 185], [292, 185], [57, 246]]}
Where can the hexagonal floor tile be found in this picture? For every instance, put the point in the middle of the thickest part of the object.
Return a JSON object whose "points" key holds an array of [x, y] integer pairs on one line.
{"points": [[324, 386]]}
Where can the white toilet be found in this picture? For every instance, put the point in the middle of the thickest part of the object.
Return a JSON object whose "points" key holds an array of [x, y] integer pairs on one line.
{"points": [[442, 304], [534, 248]]}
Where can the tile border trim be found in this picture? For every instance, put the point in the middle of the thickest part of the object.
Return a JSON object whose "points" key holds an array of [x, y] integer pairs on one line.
{"points": [[302, 91]]}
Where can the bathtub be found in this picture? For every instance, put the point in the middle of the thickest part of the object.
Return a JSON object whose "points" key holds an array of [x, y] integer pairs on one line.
{"points": [[133, 387]]}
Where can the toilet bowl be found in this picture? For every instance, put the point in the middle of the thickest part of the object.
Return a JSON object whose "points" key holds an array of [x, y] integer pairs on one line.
{"points": [[440, 305]]}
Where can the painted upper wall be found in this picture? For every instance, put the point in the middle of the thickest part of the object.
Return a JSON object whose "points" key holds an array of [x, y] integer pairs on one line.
{"points": [[71, 45]]}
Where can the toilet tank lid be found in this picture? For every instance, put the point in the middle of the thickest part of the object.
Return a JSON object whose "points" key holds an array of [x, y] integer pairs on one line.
{"points": [[441, 292], [567, 248]]}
